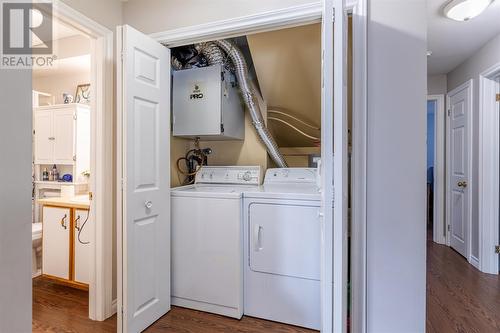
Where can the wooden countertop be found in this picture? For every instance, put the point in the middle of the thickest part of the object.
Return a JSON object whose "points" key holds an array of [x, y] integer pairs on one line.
{"points": [[78, 201]]}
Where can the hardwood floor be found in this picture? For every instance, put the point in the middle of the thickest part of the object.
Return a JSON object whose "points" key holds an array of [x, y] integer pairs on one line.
{"points": [[58, 308], [459, 297]]}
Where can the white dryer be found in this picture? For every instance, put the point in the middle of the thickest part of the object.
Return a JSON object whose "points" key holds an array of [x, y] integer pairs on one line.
{"points": [[207, 240], [282, 238]]}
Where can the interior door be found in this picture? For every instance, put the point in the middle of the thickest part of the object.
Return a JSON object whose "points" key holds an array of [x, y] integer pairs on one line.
{"points": [[44, 141], [458, 168], [144, 168], [64, 136], [334, 179]]}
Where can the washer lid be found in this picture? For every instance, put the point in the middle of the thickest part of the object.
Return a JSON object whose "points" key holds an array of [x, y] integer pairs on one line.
{"points": [[286, 191]]}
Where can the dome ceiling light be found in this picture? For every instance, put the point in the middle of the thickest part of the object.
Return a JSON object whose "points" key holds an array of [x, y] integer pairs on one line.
{"points": [[464, 10]]}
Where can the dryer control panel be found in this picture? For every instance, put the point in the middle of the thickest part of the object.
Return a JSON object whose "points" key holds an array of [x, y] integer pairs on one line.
{"points": [[291, 175], [229, 175]]}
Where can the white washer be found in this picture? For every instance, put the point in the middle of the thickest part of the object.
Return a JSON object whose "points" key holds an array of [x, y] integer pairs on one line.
{"points": [[282, 238], [207, 240]]}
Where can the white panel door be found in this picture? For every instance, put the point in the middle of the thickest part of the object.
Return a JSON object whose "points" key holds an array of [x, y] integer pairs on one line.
{"points": [[55, 242], [44, 140], [145, 169], [458, 168], [84, 229], [64, 136], [334, 168]]}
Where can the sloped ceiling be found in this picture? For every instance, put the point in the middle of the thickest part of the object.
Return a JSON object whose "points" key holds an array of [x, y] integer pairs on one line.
{"points": [[288, 67]]}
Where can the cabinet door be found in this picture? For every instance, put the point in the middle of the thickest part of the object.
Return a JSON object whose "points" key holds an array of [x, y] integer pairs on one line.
{"points": [[55, 249], [83, 238], [64, 134], [44, 140]]}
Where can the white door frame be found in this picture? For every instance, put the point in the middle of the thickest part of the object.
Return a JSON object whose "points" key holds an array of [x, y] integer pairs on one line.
{"points": [[101, 175], [439, 227], [272, 20], [489, 169], [468, 84]]}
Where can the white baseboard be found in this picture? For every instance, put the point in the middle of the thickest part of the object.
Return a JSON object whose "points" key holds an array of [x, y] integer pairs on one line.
{"points": [[474, 262], [114, 307]]}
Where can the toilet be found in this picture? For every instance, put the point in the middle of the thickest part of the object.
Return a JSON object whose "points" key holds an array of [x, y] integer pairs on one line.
{"points": [[36, 238]]}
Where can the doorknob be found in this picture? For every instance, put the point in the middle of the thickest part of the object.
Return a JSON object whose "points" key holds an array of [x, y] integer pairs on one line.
{"points": [[148, 204], [462, 184]]}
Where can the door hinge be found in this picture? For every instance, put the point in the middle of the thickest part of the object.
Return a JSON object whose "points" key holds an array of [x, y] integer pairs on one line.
{"points": [[74, 158], [449, 112], [74, 116], [449, 227], [497, 249], [91, 196], [222, 128], [498, 97], [333, 15]]}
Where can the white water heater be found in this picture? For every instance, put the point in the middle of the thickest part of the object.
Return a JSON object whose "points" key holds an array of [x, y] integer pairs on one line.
{"points": [[206, 104]]}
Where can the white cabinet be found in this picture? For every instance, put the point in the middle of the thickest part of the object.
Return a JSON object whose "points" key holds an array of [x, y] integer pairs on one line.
{"points": [[62, 135], [83, 231], [55, 245]]}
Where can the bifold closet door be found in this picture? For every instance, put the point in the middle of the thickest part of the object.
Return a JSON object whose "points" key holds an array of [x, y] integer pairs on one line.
{"points": [[144, 162], [334, 168]]}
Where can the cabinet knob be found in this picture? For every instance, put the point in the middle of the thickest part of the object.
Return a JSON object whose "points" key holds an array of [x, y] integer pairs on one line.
{"points": [[148, 204]]}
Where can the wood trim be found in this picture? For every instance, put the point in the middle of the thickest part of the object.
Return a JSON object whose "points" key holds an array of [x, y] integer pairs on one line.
{"points": [[63, 205], [261, 22], [69, 283]]}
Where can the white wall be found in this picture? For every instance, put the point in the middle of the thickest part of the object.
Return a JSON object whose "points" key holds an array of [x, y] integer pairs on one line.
{"points": [[485, 58], [396, 236], [159, 15], [437, 84], [15, 206]]}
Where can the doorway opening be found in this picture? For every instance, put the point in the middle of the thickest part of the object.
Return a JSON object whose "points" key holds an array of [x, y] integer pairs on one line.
{"points": [[72, 181]]}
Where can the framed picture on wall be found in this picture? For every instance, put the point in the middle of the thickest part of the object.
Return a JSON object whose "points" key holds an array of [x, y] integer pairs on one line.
{"points": [[82, 94]]}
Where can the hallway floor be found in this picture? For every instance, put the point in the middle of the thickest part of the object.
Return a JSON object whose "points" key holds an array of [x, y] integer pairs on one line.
{"points": [[58, 308], [459, 297]]}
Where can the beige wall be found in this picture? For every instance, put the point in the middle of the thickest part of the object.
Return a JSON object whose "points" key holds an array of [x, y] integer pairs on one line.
{"points": [[159, 15], [437, 85], [288, 67], [107, 13], [56, 85]]}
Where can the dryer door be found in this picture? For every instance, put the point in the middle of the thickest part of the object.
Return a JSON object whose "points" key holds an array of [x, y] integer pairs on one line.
{"points": [[285, 239]]}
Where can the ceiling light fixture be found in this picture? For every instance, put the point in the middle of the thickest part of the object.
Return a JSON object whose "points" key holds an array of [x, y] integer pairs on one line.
{"points": [[464, 10]]}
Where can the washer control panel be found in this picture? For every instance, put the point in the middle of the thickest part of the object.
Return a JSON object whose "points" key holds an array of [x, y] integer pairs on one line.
{"points": [[228, 175]]}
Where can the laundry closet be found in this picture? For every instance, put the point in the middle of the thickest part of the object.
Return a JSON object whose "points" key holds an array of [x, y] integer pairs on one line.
{"points": [[243, 233]]}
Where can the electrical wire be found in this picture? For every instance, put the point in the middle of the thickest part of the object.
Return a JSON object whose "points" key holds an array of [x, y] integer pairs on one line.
{"points": [[80, 229], [295, 128], [270, 110]]}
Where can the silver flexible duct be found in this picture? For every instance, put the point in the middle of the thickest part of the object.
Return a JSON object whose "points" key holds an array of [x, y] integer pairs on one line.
{"points": [[247, 91]]}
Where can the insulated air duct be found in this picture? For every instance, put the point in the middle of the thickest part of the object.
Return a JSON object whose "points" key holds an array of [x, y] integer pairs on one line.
{"points": [[212, 51]]}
